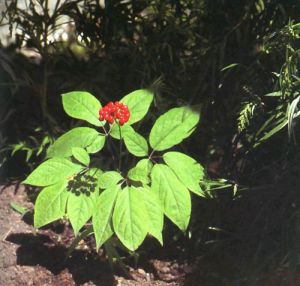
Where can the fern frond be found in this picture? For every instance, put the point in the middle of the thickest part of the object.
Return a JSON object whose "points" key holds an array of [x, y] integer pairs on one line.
{"points": [[245, 115]]}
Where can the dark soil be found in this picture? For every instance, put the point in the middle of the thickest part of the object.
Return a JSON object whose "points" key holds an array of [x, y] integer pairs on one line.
{"points": [[38, 257]]}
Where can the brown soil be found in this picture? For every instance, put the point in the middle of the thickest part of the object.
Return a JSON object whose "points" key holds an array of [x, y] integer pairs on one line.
{"points": [[38, 257], [30, 257]]}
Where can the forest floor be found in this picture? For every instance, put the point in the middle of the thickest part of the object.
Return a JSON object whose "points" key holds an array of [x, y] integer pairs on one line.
{"points": [[38, 257]]}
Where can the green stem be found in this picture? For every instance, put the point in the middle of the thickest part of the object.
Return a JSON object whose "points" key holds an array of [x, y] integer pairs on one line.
{"points": [[89, 230], [120, 149], [150, 156], [106, 134], [110, 146]]}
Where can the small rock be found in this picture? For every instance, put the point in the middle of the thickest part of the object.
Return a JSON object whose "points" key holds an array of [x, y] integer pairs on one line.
{"points": [[168, 277], [175, 265], [148, 278], [141, 271], [164, 269]]}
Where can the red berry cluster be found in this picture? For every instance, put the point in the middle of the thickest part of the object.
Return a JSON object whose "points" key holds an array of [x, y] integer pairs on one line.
{"points": [[114, 110]]}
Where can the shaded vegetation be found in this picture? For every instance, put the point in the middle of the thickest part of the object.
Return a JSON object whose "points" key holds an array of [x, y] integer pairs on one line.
{"points": [[239, 60]]}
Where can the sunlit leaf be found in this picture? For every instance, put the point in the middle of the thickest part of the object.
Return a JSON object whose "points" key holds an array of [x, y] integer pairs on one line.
{"points": [[50, 204], [173, 195], [172, 127], [130, 218], [82, 105]]}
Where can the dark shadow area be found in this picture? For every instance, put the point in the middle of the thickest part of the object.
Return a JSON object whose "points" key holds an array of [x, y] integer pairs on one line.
{"points": [[238, 61], [40, 250], [7, 185], [248, 241], [28, 218]]}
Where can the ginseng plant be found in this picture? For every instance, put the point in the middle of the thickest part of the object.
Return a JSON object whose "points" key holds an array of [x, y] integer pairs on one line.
{"points": [[129, 202]]}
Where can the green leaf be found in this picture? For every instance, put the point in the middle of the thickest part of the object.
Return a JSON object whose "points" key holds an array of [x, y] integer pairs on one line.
{"points": [[280, 124], [18, 208], [50, 204], [145, 164], [138, 103], [81, 155], [80, 209], [115, 132], [275, 93], [229, 66], [141, 172], [130, 218], [173, 194], [77, 137], [138, 174], [103, 215], [172, 127], [82, 105], [52, 171], [136, 144], [188, 171], [155, 213], [29, 154], [109, 179], [96, 145], [16, 147]]}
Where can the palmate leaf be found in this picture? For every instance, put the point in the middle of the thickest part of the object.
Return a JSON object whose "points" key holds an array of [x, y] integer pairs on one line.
{"points": [[173, 195], [52, 171], [82, 105], [138, 103], [187, 170], [141, 172], [145, 164], [136, 144], [81, 155], [50, 204], [115, 130], [77, 137], [155, 213], [109, 179], [80, 209], [172, 127], [138, 174], [102, 217], [130, 218], [96, 145]]}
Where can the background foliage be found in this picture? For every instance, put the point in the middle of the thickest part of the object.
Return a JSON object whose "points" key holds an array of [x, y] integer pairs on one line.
{"points": [[239, 60]]}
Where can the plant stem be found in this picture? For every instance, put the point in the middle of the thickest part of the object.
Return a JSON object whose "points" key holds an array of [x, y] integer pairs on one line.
{"points": [[104, 129], [150, 156], [110, 146], [120, 148]]}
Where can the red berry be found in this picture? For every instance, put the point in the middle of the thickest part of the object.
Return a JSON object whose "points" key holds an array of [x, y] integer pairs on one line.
{"points": [[114, 110], [110, 119]]}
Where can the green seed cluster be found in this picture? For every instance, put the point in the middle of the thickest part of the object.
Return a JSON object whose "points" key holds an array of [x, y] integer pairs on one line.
{"points": [[82, 184]]}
